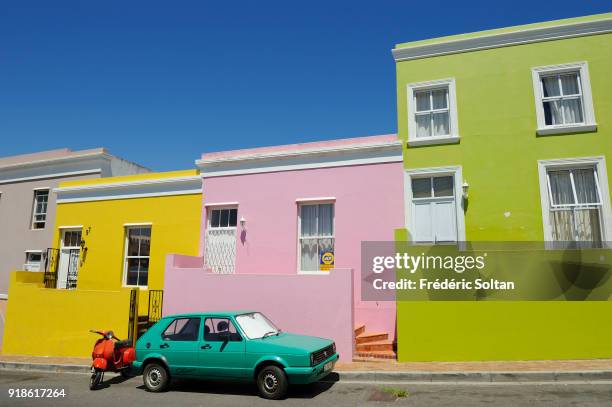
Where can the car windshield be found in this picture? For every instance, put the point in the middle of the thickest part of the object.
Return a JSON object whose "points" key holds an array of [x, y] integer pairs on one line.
{"points": [[255, 325]]}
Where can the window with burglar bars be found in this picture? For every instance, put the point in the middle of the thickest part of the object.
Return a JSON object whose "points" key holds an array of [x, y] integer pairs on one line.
{"points": [[137, 255], [39, 211], [575, 205], [220, 240], [316, 234]]}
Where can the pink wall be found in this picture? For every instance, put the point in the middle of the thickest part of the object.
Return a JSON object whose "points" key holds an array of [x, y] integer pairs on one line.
{"points": [[368, 207], [318, 305]]}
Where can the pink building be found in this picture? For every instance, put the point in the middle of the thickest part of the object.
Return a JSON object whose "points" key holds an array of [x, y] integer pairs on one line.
{"points": [[279, 218]]}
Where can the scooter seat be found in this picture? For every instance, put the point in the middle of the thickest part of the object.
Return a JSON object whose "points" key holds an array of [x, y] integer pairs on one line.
{"points": [[123, 344]]}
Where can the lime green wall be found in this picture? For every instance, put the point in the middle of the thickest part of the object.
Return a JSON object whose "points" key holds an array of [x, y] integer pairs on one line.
{"points": [[499, 148], [498, 152]]}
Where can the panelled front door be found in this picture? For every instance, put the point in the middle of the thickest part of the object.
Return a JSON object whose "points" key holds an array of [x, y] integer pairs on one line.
{"points": [[70, 251]]}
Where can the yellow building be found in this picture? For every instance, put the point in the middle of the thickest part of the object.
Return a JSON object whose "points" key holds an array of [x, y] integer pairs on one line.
{"points": [[111, 239]]}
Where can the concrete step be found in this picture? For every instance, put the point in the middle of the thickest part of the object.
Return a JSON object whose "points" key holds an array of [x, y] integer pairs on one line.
{"points": [[375, 346], [371, 337], [368, 356], [359, 329]]}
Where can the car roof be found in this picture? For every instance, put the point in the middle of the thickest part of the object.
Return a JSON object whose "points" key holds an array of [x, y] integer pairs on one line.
{"points": [[213, 314]]}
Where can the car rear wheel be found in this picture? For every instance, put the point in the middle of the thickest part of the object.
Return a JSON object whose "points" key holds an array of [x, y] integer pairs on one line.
{"points": [[155, 377], [272, 383]]}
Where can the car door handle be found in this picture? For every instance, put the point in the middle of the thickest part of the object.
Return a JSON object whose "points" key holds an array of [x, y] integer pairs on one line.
{"points": [[207, 346], [164, 345]]}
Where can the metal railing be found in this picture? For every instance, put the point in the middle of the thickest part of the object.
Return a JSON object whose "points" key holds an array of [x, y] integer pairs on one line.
{"points": [[51, 263]]}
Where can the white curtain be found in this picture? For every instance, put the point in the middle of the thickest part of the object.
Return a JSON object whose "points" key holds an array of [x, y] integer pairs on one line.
{"points": [[439, 98], [441, 124], [309, 220], [562, 111], [586, 188], [573, 223], [309, 255], [326, 219], [561, 187], [423, 125]]}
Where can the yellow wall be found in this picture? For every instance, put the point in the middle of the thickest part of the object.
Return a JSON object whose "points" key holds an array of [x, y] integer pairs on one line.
{"points": [[47, 322], [175, 228]]}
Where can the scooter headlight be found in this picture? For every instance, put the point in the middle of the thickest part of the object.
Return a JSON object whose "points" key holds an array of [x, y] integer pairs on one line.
{"points": [[109, 335]]}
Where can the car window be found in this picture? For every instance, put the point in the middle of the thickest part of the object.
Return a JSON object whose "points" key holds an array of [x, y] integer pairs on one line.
{"points": [[182, 329], [214, 329]]}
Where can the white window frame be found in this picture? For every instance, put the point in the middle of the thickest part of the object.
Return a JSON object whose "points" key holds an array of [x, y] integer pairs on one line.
{"points": [[34, 205], [27, 265], [588, 116], [125, 253], [599, 163], [306, 202], [456, 172], [453, 137], [209, 210]]}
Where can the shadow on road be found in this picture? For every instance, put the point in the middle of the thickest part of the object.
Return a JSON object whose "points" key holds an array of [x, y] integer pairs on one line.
{"points": [[308, 391], [115, 380]]}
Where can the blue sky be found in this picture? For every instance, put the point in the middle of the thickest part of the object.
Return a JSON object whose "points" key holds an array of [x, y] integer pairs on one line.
{"points": [[161, 82]]}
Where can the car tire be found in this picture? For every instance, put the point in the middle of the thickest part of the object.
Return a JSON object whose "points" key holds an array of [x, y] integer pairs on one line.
{"points": [[272, 383], [155, 377]]}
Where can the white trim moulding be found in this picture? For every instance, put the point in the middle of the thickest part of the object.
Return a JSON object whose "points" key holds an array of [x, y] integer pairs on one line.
{"points": [[526, 36], [55, 175]]}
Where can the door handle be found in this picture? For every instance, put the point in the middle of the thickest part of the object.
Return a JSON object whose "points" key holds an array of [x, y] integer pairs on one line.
{"points": [[164, 345], [207, 346]]}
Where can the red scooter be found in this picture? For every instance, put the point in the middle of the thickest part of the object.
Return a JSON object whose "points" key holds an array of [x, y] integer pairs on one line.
{"points": [[110, 355]]}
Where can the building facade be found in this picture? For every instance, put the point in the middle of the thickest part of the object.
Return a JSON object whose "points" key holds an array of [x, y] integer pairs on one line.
{"points": [[27, 204], [111, 236], [507, 137], [297, 213]]}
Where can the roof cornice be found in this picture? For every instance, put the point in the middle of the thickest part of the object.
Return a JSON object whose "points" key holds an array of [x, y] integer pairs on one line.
{"points": [[301, 153], [127, 184], [57, 160], [525, 36]]}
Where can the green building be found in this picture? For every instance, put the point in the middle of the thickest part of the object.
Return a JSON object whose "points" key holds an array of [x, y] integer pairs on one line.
{"points": [[507, 137]]}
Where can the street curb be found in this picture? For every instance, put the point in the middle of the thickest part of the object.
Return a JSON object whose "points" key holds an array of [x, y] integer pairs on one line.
{"points": [[382, 376], [482, 377], [44, 367]]}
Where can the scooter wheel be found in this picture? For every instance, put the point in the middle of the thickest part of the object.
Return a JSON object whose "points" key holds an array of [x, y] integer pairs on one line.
{"points": [[95, 379]]}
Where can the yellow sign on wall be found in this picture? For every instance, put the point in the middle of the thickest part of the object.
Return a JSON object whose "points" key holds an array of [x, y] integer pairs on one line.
{"points": [[326, 262]]}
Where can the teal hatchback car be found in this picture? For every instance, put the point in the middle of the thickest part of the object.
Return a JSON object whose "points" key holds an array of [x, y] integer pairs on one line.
{"points": [[231, 346]]}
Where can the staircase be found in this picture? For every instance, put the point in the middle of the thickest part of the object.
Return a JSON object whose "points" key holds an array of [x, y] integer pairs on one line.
{"points": [[373, 344]]}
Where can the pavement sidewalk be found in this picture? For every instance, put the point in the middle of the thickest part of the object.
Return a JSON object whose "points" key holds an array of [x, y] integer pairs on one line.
{"points": [[389, 370]]}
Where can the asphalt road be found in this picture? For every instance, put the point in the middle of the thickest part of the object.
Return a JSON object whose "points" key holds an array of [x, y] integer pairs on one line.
{"points": [[118, 393]]}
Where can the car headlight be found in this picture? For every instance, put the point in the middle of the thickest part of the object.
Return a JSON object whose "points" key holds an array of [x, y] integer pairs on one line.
{"points": [[312, 359], [334, 347]]}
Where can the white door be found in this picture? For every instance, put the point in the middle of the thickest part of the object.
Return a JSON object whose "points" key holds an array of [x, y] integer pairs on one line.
{"points": [[434, 210], [68, 265]]}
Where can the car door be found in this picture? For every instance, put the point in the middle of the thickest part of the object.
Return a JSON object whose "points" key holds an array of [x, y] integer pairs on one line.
{"points": [[221, 350], [179, 345]]}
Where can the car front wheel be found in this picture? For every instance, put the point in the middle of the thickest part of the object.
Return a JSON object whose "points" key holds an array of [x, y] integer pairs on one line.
{"points": [[155, 377], [272, 383]]}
